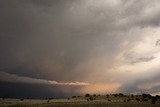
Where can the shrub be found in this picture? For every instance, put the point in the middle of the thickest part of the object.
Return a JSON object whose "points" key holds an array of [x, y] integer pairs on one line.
{"points": [[73, 96], [121, 95], [91, 98], [21, 99], [94, 95], [153, 100], [138, 99], [87, 95], [157, 96], [146, 96]]}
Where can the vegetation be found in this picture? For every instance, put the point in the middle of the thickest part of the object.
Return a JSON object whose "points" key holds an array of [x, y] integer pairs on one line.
{"points": [[87, 95], [120, 97], [88, 100]]}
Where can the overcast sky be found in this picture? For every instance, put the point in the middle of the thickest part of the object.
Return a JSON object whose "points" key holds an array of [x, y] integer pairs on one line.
{"points": [[68, 47]]}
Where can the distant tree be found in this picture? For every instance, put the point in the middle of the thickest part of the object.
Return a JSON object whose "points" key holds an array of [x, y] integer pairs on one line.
{"points": [[91, 98], [146, 96], [48, 100], [87, 95], [94, 95], [121, 95], [138, 99], [51, 98], [21, 99], [149, 96], [128, 100], [98, 95], [132, 96], [73, 96], [115, 95], [153, 100], [157, 96], [144, 99]]}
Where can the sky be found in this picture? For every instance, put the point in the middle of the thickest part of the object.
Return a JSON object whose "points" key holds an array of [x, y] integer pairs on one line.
{"points": [[60, 48]]}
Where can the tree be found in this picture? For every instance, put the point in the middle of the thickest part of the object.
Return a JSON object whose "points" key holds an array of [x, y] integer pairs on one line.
{"points": [[87, 95], [153, 100], [157, 96], [91, 98], [138, 99], [121, 95], [146, 96], [73, 96], [94, 95]]}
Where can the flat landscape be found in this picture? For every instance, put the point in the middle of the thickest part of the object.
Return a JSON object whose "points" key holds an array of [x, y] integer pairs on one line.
{"points": [[114, 100], [65, 103]]}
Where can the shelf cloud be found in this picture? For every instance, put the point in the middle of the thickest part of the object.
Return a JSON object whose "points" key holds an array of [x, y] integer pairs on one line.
{"points": [[6, 77]]}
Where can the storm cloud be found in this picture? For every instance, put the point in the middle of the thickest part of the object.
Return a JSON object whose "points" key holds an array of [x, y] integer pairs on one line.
{"points": [[20, 79], [104, 42]]}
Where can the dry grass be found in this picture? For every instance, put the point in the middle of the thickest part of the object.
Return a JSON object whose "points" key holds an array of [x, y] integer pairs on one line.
{"points": [[70, 103]]}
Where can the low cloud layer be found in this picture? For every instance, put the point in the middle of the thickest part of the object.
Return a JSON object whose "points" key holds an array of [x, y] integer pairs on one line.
{"points": [[6, 77]]}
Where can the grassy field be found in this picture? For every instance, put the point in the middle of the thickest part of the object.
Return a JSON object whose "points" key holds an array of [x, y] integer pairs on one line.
{"points": [[70, 103], [112, 100]]}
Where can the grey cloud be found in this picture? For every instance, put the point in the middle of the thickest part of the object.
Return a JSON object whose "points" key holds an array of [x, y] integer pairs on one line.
{"points": [[146, 82], [143, 59], [157, 42], [68, 40], [134, 58], [137, 13], [139, 86], [33, 38], [6, 77]]}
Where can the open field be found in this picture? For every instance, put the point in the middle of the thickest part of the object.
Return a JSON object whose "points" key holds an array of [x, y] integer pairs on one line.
{"points": [[109, 100], [71, 103]]}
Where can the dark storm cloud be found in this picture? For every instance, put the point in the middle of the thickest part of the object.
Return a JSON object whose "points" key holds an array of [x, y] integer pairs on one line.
{"points": [[14, 86], [38, 91], [49, 39], [72, 40], [55, 36], [6, 77], [37, 27]]}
